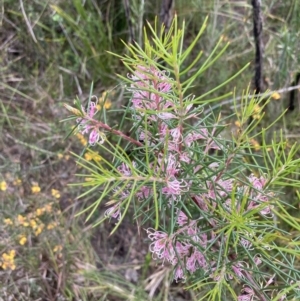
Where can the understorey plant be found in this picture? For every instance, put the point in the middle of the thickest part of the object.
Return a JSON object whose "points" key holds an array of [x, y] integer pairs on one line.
{"points": [[210, 206]]}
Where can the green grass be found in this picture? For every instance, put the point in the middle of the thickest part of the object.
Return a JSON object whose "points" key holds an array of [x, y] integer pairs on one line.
{"points": [[52, 51]]}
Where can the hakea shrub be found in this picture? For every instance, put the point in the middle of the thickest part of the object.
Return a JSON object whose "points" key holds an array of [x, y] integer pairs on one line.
{"points": [[211, 206], [186, 247], [193, 182]]}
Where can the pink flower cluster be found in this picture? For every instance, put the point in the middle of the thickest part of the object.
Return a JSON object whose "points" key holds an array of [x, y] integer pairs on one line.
{"points": [[160, 122], [187, 250], [149, 90], [184, 254]]}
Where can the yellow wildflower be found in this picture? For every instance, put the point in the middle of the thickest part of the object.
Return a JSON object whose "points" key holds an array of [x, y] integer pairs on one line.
{"points": [[103, 101], [256, 112], [82, 139], [107, 104], [39, 229], [55, 193], [60, 156], [88, 156], [8, 260], [57, 248], [39, 211], [255, 144], [22, 220], [276, 95], [23, 240], [51, 226], [3, 186], [33, 223], [35, 188], [17, 182], [237, 123], [92, 156], [8, 221]]}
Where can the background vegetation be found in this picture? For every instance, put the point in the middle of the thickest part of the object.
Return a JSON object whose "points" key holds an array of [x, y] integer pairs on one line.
{"points": [[51, 51]]}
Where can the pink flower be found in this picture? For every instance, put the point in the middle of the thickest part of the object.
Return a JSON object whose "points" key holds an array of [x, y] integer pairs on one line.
{"points": [[124, 169], [174, 186], [261, 201], [182, 250], [113, 211], [247, 294], [184, 157], [161, 245], [238, 269], [178, 273], [246, 243], [258, 183], [86, 124], [225, 186], [176, 134], [192, 232], [166, 115], [172, 165], [196, 261], [144, 192], [94, 136], [267, 209], [257, 260], [182, 219], [148, 85], [191, 137], [259, 198], [92, 110], [202, 201]]}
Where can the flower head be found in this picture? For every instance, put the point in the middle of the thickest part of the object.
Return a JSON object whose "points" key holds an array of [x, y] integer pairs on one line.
{"points": [[114, 211], [87, 125], [3, 186], [161, 246]]}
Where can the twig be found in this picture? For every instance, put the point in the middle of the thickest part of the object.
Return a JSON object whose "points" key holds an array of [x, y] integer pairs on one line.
{"points": [[113, 131]]}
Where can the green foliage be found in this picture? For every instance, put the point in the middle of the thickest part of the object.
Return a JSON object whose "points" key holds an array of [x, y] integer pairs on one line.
{"points": [[239, 232]]}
